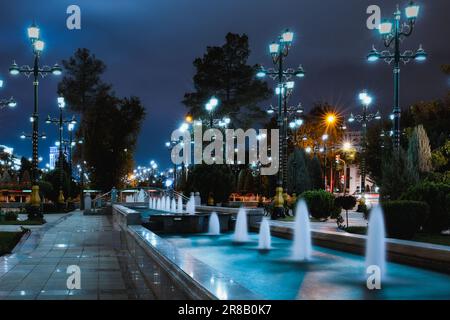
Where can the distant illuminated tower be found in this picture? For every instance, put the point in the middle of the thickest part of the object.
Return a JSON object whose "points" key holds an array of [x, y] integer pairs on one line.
{"points": [[53, 157]]}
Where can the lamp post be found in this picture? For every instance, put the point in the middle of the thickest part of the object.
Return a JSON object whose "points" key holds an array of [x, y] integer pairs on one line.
{"points": [[60, 122], [279, 51], [393, 33], [11, 103], [364, 119], [35, 71]]}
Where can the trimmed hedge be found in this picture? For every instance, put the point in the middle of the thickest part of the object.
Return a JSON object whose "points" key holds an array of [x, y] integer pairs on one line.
{"points": [[320, 204], [404, 219], [437, 196]]}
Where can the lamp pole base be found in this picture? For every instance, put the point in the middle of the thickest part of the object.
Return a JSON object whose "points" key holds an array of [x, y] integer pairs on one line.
{"points": [[278, 210], [34, 210]]}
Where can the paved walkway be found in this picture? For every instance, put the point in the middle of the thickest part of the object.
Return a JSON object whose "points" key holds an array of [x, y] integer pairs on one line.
{"points": [[38, 269]]}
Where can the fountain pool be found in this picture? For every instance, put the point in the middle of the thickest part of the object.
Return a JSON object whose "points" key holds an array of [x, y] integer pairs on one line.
{"points": [[329, 274]]}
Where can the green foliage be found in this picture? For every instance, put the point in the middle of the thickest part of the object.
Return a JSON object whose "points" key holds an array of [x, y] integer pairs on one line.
{"points": [[437, 196], [206, 179], [419, 154], [223, 72], [11, 216], [396, 178], [315, 171], [51, 185], [8, 241], [404, 219], [298, 177], [345, 202], [320, 203], [441, 158]]}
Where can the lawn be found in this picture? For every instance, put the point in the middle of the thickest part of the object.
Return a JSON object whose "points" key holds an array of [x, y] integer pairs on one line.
{"points": [[8, 241]]}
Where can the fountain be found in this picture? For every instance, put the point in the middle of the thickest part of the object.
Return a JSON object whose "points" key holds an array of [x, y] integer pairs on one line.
{"points": [[301, 249], [173, 206], [158, 204], [214, 224], [190, 206], [265, 240], [180, 205], [168, 203], [141, 196], [376, 246], [163, 203], [241, 229], [150, 203]]}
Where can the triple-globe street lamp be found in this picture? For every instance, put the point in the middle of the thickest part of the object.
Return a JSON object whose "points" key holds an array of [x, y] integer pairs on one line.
{"points": [[35, 71], [279, 50], [60, 122], [393, 33], [364, 118]]}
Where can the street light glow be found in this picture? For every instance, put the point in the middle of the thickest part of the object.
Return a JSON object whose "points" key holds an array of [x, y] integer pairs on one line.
{"points": [[330, 119], [274, 48], [287, 37], [39, 45], [347, 146], [412, 11], [385, 28], [33, 32]]}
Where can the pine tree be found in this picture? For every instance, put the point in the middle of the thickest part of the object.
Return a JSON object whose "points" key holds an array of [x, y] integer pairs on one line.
{"points": [[224, 72], [298, 176], [315, 173], [419, 153]]}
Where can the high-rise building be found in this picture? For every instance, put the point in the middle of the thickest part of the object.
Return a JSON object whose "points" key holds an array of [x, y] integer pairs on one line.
{"points": [[53, 157]]}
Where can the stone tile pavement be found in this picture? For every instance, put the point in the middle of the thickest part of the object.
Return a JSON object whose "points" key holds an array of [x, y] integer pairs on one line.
{"points": [[37, 269]]}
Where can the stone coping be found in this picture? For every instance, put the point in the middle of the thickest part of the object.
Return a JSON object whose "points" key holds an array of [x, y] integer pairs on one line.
{"points": [[250, 211], [199, 280], [418, 254]]}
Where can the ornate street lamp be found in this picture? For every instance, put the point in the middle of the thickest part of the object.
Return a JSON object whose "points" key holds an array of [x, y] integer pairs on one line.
{"points": [[393, 33], [35, 71], [11, 103], [279, 51], [364, 119]]}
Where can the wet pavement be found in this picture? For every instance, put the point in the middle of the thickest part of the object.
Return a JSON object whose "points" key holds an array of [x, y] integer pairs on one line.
{"points": [[38, 267]]}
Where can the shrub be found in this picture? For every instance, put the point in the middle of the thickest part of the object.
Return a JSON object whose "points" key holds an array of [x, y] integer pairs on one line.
{"points": [[346, 203], [404, 219], [320, 204], [11, 216], [49, 208], [437, 196]]}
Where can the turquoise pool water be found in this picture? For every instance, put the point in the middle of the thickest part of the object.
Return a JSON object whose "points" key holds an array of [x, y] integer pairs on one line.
{"points": [[330, 275]]}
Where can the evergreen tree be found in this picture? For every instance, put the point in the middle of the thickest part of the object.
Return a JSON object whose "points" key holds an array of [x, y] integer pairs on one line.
{"points": [[396, 177], [299, 179], [419, 153], [223, 72], [109, 125], [315, 172]]}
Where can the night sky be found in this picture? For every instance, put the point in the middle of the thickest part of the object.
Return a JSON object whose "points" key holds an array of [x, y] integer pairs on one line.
{"points": [[148, 47]]}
